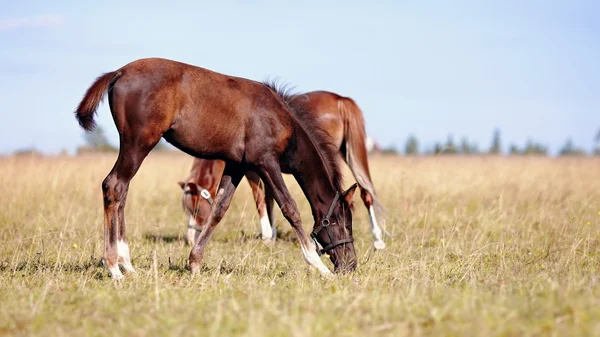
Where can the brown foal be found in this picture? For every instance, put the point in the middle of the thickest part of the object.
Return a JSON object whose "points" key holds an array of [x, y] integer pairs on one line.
{"points": [[249, 125], [343, 121]]}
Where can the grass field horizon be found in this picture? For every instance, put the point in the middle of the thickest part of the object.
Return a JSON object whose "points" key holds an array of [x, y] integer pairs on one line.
{"points": [[481, 246]]}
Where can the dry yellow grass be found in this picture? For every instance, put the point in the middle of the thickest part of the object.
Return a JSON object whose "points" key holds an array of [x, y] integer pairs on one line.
{"points": [[481, 247]]}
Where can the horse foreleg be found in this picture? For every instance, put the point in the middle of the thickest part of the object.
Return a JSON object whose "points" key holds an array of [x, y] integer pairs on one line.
{"points": [[272, 177], [232, 176]]}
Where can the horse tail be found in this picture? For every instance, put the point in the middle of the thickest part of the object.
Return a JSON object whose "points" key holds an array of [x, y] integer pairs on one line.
{"points": [[92, 98], [356, 150]]}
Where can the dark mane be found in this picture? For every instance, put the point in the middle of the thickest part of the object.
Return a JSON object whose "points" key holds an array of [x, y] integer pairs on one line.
{"points": [[318, 137]]}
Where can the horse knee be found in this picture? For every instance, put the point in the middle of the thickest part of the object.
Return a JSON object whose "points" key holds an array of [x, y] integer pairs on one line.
{"points": [[291, 213]]}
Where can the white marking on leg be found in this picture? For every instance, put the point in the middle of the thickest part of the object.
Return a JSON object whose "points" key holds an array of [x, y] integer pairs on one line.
{"points": [[265, 225], [191, 232], [375, 230], [124, 258], [313, 259], [274, 231], [115, 272]]}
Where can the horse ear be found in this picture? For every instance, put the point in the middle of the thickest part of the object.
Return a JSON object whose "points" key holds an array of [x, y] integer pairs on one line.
{"points": [[194, 188], [181, 184], [349, 194]]}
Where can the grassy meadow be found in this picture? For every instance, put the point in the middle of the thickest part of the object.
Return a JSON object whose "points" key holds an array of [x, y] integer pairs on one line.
{"points": [[481, 246]]}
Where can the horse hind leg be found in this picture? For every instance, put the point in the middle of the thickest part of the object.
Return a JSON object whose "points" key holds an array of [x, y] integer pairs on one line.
{"points": [[267, 232], [112, 190], [115, 187], [376, 231], [124, 259], [269, 201]]}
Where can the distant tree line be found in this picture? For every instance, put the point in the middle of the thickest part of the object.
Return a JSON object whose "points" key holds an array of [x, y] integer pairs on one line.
{"points": [[96, 141], [466, 147]]}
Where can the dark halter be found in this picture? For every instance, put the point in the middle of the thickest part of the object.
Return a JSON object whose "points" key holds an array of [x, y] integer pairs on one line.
{"points": [[325, 223]]}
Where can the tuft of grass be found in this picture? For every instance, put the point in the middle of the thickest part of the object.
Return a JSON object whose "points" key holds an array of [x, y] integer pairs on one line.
{"points": [[482, 246]]}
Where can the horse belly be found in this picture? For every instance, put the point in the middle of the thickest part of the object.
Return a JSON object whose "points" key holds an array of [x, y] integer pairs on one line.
{"points": [[210, 137]]}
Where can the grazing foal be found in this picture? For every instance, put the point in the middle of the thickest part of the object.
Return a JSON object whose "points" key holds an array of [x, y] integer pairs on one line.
{"points": [[343, 121], [211, 115], [198, 189]]}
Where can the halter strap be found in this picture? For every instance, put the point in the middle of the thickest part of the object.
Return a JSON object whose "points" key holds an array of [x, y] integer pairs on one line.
{"points": [[335, 199], [333, 245], [325, 222], [204, 193]]}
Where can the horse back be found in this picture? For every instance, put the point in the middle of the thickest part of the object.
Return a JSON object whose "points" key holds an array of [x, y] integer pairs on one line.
{"points": [[322, 106], [202, 112]]}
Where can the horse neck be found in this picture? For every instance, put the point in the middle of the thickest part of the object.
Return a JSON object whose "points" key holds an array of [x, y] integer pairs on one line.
{"points": [[312, 176], [196, 170]]}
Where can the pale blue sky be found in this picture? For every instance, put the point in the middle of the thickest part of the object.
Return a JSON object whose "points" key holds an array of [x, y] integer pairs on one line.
{"points": [[431, 68]]}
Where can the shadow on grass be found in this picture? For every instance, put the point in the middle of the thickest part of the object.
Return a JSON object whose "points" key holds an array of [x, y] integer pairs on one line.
{"points": [[93, 265], [166, 238], [243, 236]]}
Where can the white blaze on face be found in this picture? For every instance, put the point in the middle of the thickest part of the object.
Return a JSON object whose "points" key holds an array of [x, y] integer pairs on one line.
{"points": [[124, 258], [191, 232], [375, 230]]}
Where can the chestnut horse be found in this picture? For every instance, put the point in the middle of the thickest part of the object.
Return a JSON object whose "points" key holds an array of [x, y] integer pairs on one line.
{"points": [[247, 124], [340, 117]]}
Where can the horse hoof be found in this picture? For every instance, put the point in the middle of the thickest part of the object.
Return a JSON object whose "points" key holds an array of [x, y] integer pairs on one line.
{"points": [[194, 268], [271, 238], [268, 241], [328, 275], [117, 276], [379, 245]]}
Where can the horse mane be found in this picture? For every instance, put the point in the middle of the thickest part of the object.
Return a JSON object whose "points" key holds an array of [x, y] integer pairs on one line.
{"points": [[318, 137]]}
